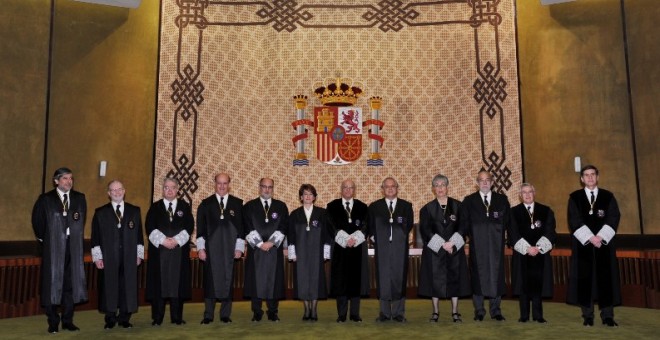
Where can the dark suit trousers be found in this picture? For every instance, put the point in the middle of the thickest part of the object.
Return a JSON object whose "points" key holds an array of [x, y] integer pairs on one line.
{"points": [[67, 295], [158, 309], [493, 304], [272, 306], [124, 315], [393, 308], [537, 306], [605, 311], [209, 308], [342, 305]]}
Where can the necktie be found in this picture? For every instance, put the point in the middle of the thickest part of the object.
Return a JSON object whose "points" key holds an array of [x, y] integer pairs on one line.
{"points": [[348, 207], [266, 207], [222, 203], [486, 200], [118, 212], [391, 207], [170, 211], [65, 202], [591, 200], [529, 209]]}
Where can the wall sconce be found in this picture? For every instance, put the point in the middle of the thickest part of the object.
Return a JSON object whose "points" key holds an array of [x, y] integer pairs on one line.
{"points": [[578, 164], [102, 168]]}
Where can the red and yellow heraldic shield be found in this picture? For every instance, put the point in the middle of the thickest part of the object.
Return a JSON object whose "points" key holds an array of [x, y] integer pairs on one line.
{"points": [[338, 134]]}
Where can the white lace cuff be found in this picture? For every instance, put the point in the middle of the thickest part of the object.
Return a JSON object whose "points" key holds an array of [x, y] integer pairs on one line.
{"points": [[97, 254], [326, 251], [140, 251], [606, 233], [583, 234], [436, 243], [292, 252], [276, 238], [240, 245], [342, 238], [253, 239], [359, 237], [457, 240], [182, 238], [156, 238], [544, 245], [201, 244], [522, 246]]}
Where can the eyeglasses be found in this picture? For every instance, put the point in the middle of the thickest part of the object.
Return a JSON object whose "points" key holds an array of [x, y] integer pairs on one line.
{"points": [[265, 186], [116, 190]]}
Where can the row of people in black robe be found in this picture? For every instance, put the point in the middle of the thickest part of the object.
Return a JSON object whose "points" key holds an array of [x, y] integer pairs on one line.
{"points": [[315, 235]]}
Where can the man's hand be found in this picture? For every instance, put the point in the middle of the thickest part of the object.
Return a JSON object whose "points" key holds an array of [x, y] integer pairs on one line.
{"points": [[99, 264], [351, 242], [532, 251], [596, 241], [237, 254], [266, 246], [201, 254], [448, 247]]}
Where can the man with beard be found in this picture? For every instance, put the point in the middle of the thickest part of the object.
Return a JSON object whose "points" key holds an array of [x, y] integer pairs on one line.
{"points": [[117, 251], [265, 226], [169, 225], [58, 221], [219, 244]]}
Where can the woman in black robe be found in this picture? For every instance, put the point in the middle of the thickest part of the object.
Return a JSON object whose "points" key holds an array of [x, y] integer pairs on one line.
{"points": [[444, 272], [309, 246]]}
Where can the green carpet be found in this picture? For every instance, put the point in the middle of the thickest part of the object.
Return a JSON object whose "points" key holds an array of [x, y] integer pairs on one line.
{"points": [[564, 321]]}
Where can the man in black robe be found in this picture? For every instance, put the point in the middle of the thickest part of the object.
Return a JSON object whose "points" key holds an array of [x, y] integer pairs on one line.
{"points": [[219, 244], [532, 234], [117, 251], [349, 268], [58, 221], [169, 225], [593, 219], [390, 221], [484, 217], [265, 226]]}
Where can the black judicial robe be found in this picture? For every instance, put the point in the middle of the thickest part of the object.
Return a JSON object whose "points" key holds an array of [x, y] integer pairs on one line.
{"points": [[349, 266], [486, 235], [593, 267], [391, 256], [168, 270], [220, 236], [532, 275], [264, 271], [442, 274], [309, 282], [119, 249], [49, 226]]}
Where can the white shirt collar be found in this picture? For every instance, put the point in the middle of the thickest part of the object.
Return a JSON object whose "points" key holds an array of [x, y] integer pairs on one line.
{"points": [[225, 197], [588, 192]]}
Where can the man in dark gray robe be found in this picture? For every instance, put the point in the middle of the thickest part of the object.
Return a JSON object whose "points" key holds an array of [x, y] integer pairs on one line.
{"points": [[219, 244], [484, 218], [390, 221], [169, 225], [58, 221], [593, 219], [349, 267], [532, 234], [265, 224], [117, 251]]}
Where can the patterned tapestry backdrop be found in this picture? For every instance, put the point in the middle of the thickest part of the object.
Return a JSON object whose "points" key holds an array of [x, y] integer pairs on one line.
{"points": [[446, 70]]}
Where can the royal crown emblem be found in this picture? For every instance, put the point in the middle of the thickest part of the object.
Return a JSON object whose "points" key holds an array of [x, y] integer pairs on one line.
{"points": [[337, 124]]}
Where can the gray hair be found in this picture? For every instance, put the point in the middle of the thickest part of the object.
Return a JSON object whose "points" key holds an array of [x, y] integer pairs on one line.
{"points": [[438, 178]]}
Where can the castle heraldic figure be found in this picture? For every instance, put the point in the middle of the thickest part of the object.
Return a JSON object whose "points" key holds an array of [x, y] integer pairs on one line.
{"points": [[265, 222], [219, 244], [349, 266], [532, 234], [390, 221], [117, 251], [58, 221], [484, 217], [593, 220]]}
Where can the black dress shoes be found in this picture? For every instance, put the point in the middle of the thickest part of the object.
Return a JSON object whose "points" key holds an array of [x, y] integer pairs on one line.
{"points": [[356, 318], [256, 317], [225, 320], [478, 318], [179, 322], [70, 327], [523, 319], [341, 318], [206, 321], [588, 322], [52, 329], [382, 318], [109, 325], [541, 320], [610, 322], [126, 324], [498, 318], [399, 318], [273, 317], [157, 322]]}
